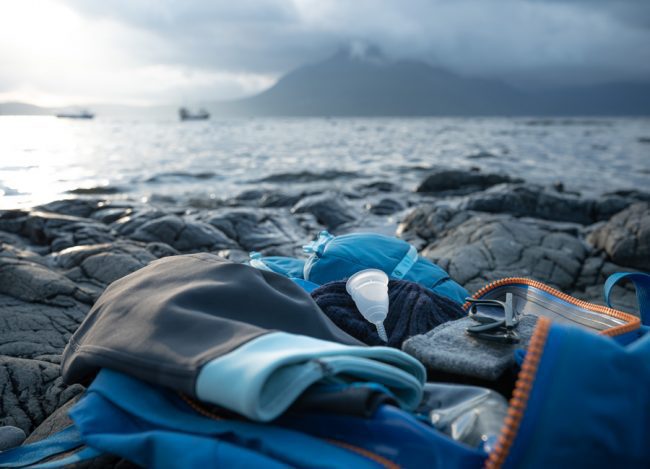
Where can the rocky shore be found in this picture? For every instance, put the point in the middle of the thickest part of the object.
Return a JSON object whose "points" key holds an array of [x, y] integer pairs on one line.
{"points": [[56, 259]]}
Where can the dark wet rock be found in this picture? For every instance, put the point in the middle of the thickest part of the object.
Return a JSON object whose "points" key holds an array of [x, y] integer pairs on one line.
{"points": [[181, 234], [384, 207], [270, 232], [11, 437], [75, 207], [268, 198], [128, 224], [644, 139], [486, 248], [537, 202], [97, 190], [110, 214], [481, 155], [329, 209], [30, 391], [180, 175], [33, 282], [57, 230], [377, 186], [631, 194], [427, 222], [626, 237], [308, 176], [31, 330], [461, 181]]}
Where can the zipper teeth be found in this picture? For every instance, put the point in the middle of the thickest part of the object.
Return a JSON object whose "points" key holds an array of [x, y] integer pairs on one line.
{"points": [[633, 322], [519, 399], [388, 464]]}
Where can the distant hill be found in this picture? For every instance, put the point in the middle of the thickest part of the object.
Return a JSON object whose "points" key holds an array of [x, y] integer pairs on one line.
{"points": [[368, 84], [371, 85], [23, 109]]}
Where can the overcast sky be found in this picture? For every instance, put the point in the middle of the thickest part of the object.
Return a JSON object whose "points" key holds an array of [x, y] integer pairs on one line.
{"points": [[58, 52]]}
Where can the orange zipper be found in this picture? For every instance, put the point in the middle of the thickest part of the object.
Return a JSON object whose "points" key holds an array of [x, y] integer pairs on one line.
{"points": [[388, 464], [520, 395], [633, 322]]}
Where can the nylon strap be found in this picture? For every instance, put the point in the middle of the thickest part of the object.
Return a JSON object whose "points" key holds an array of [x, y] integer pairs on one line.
{"points": [[641, 283], [409, 259], [26, 455]]}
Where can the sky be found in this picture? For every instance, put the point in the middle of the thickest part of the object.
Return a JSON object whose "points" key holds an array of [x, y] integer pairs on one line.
{"points": [[148, 52]]}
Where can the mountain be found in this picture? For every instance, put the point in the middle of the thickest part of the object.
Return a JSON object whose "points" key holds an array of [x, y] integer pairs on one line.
{"points": [[23, 109], [349, 84]]}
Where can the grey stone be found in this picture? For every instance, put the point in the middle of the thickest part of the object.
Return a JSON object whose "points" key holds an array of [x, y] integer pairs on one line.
{"points": [[183, 235], [10, 437], [538, 202], [384, 207], [30, 391], [270, 232], [461, 181], [329, 209], [486, 248], [626, 237]]}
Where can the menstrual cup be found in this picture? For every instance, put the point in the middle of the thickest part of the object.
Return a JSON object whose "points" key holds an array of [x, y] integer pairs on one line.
{"points": [[369, 290]]}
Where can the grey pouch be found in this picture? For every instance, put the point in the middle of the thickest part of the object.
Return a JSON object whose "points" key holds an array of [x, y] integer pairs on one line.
{"points": [[469, 414], [450, 349]]}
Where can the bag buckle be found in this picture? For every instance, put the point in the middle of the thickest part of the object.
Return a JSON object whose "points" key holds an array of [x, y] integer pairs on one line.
{"points": [[491, 328]]}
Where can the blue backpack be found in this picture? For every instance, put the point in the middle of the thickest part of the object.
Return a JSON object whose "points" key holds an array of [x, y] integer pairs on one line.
{"points": [[338, 257]]}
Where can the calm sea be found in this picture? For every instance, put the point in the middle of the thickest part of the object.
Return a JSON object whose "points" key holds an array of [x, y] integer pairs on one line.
{"points": [[44, 158]]}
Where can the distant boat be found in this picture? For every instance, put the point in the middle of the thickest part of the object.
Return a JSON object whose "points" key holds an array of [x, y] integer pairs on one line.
{"points": [[84, 114], [186, 115]]}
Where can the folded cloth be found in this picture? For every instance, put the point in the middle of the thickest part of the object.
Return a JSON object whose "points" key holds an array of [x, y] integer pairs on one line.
{"points": [[163, 322], [449, 348], [413, 309], [268, 374], [152, 427]]}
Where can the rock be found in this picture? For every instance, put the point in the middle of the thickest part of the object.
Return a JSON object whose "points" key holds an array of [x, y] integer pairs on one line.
{"points": [[481, 155], [384, 207], [486, 248], [11, 437], [428, 221], [74, 207], [308, 176], [461, 181], [626, 237], [534, 201], [270, 232], [181, 234], [329, 209], [30, 391], [32, 330], [35, 283]]}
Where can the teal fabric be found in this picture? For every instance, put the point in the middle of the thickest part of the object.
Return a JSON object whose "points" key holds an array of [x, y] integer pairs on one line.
{"points": [[641, 282], [338, 257], [589, 406], [266, 375]]}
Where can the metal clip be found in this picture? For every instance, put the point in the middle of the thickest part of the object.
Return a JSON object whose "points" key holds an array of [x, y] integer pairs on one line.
{"points": [[494, 329]]}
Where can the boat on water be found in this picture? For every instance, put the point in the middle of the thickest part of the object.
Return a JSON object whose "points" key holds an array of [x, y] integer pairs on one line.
{"points": [[83, 114], [187, 115]]}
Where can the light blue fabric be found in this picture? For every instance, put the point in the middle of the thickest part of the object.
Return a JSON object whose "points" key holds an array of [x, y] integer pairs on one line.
{"points": [[305, 284], [642, 284], [266, 375], [405, 265], [152, 427], [287, 266]]}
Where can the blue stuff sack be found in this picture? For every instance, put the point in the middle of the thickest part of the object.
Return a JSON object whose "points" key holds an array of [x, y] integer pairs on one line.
{"points": [[338, 257]]}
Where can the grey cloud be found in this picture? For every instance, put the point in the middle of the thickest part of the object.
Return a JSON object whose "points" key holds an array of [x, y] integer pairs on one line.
{"points": [[526, 41]]}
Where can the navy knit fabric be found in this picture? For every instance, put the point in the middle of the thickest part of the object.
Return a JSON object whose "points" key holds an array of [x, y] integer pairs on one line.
{"points": [[412, 310]]}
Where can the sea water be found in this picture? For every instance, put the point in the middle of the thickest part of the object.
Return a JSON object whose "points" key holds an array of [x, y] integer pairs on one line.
{"points": [[45, 158]]}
